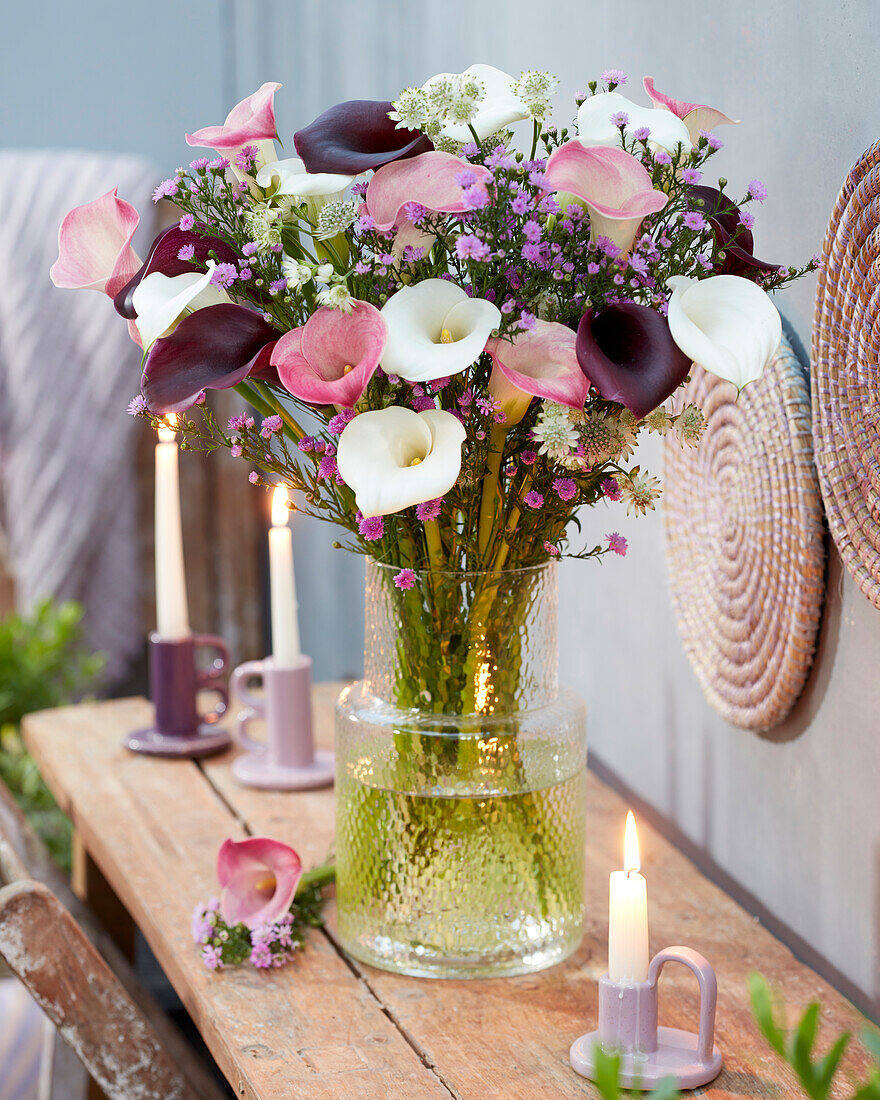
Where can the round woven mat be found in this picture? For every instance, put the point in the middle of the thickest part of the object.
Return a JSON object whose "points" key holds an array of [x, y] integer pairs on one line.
{"points": [[745, 542], [846, 376]]}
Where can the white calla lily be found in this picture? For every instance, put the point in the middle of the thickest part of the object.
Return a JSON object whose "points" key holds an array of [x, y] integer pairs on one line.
{"points": [[726, 324], [497, 109], [395, 458], [435, 330], [160, 301], [289, 177], [594, 125]]}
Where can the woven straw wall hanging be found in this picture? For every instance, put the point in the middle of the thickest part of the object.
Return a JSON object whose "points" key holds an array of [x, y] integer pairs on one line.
{"points": [[745, 542], [846, 377]]}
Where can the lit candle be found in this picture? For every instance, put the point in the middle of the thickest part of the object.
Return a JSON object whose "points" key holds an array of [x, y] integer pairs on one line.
{"points": [[172, 617], [285, 628], [628, 915]]}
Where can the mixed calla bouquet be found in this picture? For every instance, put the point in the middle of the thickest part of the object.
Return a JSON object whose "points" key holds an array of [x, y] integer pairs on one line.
{"points": [[481, 321]]}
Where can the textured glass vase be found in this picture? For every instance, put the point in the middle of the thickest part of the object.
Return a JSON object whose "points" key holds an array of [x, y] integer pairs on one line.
{"points": [[460, 781]]}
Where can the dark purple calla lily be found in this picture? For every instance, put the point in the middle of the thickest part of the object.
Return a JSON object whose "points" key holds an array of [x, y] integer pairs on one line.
{"points": [[211, 349], [722, 215], [163, 257], [355, 136], [628, 354]]}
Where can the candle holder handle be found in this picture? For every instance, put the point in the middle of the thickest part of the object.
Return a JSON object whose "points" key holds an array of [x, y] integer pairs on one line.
{"points": [[254, 707], [708, 991], [214, 677]]}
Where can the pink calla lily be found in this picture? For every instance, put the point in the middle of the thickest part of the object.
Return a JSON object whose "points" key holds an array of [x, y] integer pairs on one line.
{"points": [[614, 185], [429, 179], [696, 116], [163, 257], [540, 363], [355, 136], [211, 349], [258, 879], [332, 357], [94, 246], [627, 352], [248, 123]]}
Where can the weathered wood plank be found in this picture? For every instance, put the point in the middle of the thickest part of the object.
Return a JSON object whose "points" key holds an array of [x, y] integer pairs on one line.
{"points": [[154, 827], [509, 1038]]}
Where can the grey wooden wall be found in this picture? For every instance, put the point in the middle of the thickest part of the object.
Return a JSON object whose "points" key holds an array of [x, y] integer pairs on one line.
{"points": [[792, 820]]}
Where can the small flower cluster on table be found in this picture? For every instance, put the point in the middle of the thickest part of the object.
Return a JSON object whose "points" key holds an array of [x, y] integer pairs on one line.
{"points": [[265, 907], [483, 310]]}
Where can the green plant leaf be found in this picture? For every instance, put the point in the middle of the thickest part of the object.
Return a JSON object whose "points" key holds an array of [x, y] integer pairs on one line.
{"points": [[762, 1009], [666, 1090], [825, 1069], [607, 1079], [800, 1048], [871, 1041]]}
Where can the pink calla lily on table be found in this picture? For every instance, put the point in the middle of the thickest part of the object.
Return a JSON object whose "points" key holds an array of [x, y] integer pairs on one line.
{"points": [[615, 187], [250, 122], [94, 246], [540, 363], [429, 180], [258, 878], [331, 359], [696, 116], [627, 352]]}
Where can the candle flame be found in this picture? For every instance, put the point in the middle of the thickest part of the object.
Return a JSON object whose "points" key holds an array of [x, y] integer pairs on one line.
{"points": [[631, 845], [168, 429], [280, 511]]}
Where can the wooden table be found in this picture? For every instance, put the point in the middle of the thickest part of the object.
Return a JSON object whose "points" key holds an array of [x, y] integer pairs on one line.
{"points": [[326, 1026]]}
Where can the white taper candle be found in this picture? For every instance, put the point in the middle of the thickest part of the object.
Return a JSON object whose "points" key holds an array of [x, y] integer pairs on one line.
{"points": [[282, 585], [172, 616]]}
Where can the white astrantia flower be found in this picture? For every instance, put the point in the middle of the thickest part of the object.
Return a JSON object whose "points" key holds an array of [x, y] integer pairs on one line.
{"points": [[296, 273], [289, 177], [534, 89], [263, 223], [726, 324], [335, 218], [411, 109], [594, 125], [482, 97], [554, 431], [160, 301], [435, 330], [336, 297], [395, 458]]}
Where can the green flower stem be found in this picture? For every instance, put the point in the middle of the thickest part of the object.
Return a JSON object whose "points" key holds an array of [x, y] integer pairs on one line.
{"points": [[490, 498], [434, 544], [322, 875], [250, 393]]}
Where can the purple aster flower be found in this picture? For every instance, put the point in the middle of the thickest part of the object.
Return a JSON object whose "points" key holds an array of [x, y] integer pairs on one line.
{"points": [[235, 450], [757, 191], [466, 398], [359, 188], [466, 177], [246, 157], [521, 203], [746, 219], [565, 488], [642, 134], [166, 189], [593, 268], [537, 177], [552, 550], [224, 275], [198, 164], [365, 223], [270, 425], [610, 488], [212, 957], [201, 399], [691, 175], [261, 956], [662, 157], [475, 198], [617, 543], [371, 528], [421, 403], [387, 258], [186, 222], [470, 149], [277, 286], [186, 252], [412, 254], [534, 499], [244, 274], [137, 405], [327, 468], [253, 477], [528, 458], [549, 205], [338, 422], [219, 163], [236, 423], [415, 212], [714, 142], [405, 579], [361, 267], [526, 321], [249, 249], [639, 264], [470, 247], [534, 253], [620, 119], [429, 509], [532, 231], [693, 220], [614, 76]]}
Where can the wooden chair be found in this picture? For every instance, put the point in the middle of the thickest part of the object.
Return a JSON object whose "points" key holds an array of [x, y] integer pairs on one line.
{"points": [[49, 939]]}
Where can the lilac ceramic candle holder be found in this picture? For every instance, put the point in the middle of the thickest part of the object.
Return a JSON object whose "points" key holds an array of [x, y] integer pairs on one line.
{"points": [[287, 760], [648, 1053], [175, 680]]}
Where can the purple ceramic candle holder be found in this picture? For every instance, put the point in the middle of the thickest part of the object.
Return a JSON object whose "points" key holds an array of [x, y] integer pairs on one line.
{"points": [[648, 1053], [287, 760], [175, 680]]}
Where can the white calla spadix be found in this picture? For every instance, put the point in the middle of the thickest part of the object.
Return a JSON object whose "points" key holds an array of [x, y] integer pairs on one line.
{"points": [[160, 301], [595, 127], [395, 458], [435, 330], [498, 108], [726, 324], [289, 177]]}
